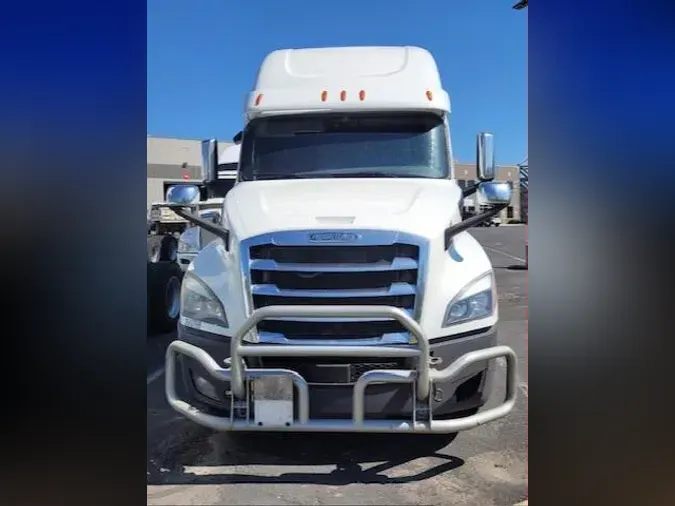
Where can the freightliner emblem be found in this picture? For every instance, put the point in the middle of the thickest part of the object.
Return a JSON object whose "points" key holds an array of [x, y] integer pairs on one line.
{"points": [[333, 237]]}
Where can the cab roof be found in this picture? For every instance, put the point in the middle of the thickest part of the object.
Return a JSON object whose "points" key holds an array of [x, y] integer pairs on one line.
{"points": [[347, 78]]}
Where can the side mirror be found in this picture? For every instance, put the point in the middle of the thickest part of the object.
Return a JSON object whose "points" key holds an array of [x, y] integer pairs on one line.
{"points": [[209, 160], [182, 195], [494, 194], [237, 138], [485, 156]]}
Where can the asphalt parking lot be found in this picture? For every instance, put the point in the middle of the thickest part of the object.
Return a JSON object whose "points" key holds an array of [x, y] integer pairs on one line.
{"points": [[484, 467]]}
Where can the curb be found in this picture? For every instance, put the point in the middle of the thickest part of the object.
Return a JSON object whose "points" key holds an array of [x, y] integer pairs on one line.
{"points": [[521, 503]]}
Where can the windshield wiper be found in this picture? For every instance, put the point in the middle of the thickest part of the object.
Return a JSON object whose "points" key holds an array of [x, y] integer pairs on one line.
{"points": [[372, 173], [290, 175], [329, 174]]}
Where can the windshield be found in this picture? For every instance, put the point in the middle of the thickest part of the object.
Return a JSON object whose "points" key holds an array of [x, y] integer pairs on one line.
{"points": [[345, 145]]}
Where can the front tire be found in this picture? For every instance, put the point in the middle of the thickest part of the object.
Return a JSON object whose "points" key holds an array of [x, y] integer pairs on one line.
{"points": [[164, 281], [162, 248]]}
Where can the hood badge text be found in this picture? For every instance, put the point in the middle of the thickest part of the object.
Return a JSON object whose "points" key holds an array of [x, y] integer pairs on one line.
{"points": [[333, 237]]}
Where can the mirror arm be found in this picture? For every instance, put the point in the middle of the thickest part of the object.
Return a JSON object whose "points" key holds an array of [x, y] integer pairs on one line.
{"points": [[453, 230], [206, 225], [470, 190]]}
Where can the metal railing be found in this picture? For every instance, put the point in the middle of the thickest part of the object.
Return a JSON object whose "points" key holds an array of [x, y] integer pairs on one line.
{"points": [[422, 377]]}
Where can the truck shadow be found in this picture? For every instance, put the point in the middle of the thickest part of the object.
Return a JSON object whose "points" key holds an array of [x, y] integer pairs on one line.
{"points": [[345, 459], [511, 267]]}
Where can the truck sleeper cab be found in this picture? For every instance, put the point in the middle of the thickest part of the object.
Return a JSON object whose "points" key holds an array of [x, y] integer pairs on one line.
{"points": [[343, 292]]}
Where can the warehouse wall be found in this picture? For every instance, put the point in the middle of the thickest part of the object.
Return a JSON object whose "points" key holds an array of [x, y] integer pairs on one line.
{"points": [[173, 160]]}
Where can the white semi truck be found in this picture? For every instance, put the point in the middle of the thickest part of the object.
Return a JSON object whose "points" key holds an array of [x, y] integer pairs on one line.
{"points": [[343, 292]]}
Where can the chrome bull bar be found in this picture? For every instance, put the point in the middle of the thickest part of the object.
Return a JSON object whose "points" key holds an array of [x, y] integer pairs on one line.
{"points": [[422, 377]]}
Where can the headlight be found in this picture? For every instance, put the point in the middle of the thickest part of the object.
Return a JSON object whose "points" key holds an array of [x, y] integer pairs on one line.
{"points": [[199, 303], [476, 300], [189, 241]]}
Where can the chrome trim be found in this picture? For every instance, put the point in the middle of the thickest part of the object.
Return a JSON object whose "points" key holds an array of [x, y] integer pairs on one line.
{"points": [[409, 312], [394, 338], [366, 237], [399, 264], [182, 195], [422, 378], [358, 423], [420, 350], [485, 153], [245, 272], [493, 193], [300, 238], [395, 290]]}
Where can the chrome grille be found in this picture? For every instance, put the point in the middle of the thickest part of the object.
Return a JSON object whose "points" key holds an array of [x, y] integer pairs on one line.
{"points": [[383, 268]]}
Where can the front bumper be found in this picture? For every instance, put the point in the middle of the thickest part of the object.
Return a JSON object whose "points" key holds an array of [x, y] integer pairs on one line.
{"points": [[409, 399]]}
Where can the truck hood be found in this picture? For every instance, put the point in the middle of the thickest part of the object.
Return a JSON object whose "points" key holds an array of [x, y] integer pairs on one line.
{"points": [[420, 206]]}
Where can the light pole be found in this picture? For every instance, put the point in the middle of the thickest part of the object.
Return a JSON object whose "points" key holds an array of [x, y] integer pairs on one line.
{"points": [[524, 167]]}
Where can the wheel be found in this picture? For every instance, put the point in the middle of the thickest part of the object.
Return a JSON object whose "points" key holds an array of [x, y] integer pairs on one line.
{"points": [[496, 224], [162, 248], [164, 280]]}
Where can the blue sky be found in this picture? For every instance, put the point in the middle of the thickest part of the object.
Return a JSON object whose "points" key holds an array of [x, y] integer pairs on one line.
{"points": [[203, 57]]}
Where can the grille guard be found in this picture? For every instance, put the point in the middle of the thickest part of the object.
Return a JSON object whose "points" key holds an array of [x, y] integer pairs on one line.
{"points": [[421, 377]]}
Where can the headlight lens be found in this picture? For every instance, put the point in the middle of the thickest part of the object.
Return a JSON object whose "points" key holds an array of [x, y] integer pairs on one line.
{"points": [[199, 303], [475, 301]]}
